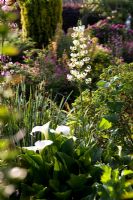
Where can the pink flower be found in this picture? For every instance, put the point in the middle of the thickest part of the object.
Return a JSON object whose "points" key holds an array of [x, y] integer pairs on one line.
{"points": [[1, 2]]}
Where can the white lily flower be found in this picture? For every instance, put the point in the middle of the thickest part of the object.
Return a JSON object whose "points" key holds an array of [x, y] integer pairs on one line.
{"points": [[63, 129], [43, 143], [39, 145], [43, 129]]}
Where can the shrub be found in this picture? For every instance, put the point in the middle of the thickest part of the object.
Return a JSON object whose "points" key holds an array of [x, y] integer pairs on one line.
{"points": [[111, 101], [39, 19], [62, 167], [115, 36]]}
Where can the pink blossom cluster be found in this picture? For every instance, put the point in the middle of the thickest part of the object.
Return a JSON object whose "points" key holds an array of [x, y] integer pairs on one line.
{"points": [[2, 2]]}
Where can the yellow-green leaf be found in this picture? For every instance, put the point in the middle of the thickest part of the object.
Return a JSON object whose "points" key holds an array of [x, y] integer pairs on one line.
{"points": [[106, 174], [128, 195], [10, 50], [126, 172], [105, 124]]}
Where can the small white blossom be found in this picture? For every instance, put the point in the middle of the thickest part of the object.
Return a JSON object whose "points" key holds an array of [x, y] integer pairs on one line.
{"points": [[17, 173], [74, 35], [69, 77], [76, 42], [83, 46]]}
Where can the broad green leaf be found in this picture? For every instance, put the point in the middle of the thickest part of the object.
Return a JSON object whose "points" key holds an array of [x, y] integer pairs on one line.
{"points": [[68, 147], [67, 161], [77, 181], [105, 124], [37, 159], [103, 84], [30, 161]]}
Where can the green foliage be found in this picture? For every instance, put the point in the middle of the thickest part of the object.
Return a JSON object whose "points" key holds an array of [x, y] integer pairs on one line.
{"points": [[39, 19], [105, 8], [100, 58], [5, 47], [112, 101], [57, 173], [68, 169], [31, 106]]}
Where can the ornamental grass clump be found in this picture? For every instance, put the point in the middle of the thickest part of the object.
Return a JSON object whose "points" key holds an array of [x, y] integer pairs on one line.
{"points": [[79, 61]]}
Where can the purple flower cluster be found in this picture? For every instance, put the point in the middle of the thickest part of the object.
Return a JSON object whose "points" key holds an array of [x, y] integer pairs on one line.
{"points": [[4, 59], [103, 30], [117, 26], [128, 51]]}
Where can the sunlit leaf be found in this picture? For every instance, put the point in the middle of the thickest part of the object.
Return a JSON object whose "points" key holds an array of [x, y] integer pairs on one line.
{"points": [[106, 174], [128, 195], [4, 143], [4, 113], [105, 124], [126, 172], [103, 84], [10, 50], [129, 182]]}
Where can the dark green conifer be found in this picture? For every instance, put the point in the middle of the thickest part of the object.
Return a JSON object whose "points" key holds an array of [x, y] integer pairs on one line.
{"points": [[39, 19]]}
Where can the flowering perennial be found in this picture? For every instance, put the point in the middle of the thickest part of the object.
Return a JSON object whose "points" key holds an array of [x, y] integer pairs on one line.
{"points": [[79, 60]]}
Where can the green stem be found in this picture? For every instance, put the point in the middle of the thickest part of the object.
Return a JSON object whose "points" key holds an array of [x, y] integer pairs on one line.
{"points": [[82, 110]]}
